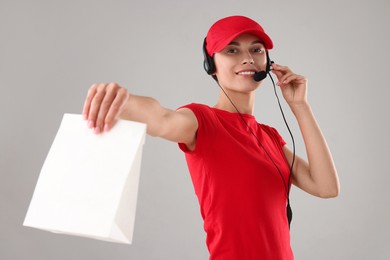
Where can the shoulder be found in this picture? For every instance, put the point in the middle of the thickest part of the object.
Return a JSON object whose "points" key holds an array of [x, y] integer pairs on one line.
{"points": [[267, 128], [273, 133], [195, 107], [201, 112]]}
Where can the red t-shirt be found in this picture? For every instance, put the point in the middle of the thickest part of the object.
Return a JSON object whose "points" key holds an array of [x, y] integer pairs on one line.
{"points": [[241, 194]]}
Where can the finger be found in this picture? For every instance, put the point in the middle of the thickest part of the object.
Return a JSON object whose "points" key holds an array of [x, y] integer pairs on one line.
{"points": [[87, 103], [280, 71], [277, 73], [95, 105], [105, 106], [116, 108], [281, 68], [293, 77], [282, 80]]}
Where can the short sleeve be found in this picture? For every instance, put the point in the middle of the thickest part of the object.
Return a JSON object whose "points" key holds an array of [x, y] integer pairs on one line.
{"points": [[274, 135], [278, 137], [206, 127]]}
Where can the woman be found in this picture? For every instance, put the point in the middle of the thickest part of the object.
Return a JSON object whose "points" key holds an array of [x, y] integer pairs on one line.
{"points": [[240, 168]]}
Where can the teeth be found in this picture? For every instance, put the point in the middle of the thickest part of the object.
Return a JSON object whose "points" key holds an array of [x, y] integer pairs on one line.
{"points": [[246, 73]]}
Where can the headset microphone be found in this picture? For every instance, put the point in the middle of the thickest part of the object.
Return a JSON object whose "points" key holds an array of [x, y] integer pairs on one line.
{"points": [[260, 75], [263, 73]]}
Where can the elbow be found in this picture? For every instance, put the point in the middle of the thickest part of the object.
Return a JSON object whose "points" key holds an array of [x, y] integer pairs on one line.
{"points": [[330, 188], [330, 193]]}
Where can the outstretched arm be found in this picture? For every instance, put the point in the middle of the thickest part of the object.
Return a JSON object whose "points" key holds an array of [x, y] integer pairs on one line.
{"points": [[106, 103], [317, 176]]}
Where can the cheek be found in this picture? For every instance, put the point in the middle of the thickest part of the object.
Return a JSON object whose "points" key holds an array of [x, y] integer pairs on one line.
{"points": [[224, 75], [222, 71], [262, 61], [224, 68]]}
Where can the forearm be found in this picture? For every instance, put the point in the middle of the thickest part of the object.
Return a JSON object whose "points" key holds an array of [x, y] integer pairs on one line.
{"points": [[146, 110], [105, 103], [321, 166]]}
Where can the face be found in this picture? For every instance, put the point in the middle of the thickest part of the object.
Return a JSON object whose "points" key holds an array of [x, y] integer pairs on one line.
{"points": [[238, 61]]}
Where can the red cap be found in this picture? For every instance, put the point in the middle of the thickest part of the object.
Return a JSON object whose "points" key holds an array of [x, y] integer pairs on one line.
{"points": [[222, 32]]}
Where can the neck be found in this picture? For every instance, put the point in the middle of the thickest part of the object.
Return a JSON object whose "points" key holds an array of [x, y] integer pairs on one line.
{"points": [[244, 102]]}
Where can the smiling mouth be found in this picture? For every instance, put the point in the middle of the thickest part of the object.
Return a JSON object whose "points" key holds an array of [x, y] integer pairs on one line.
{"points": [[246, 73]]}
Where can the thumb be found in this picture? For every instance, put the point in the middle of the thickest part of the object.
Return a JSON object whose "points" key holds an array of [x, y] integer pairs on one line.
{"points": [[278, 73]]}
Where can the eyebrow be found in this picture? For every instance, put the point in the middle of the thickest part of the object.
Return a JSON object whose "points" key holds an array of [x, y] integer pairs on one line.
{"points": [[238, 44]]}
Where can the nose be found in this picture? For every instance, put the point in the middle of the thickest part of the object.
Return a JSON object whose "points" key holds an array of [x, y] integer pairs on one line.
{"points": [[248, 59]]}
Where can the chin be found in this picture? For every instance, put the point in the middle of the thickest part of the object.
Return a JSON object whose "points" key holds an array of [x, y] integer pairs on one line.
{"points": [[249, 85], [245, 85], [246, 88]]}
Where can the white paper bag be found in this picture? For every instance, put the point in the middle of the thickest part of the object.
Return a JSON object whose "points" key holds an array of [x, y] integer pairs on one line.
{"points": [[88, 184]]}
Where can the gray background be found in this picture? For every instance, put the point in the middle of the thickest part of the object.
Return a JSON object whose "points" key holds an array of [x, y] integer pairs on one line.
{"points": [[52, 51]]}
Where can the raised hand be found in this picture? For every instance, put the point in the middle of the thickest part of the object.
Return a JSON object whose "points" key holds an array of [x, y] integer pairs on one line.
{"points": [[293, 86]]}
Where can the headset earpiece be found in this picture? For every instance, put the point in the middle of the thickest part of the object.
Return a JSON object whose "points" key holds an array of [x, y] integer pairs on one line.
{"points": [[208, 63]]}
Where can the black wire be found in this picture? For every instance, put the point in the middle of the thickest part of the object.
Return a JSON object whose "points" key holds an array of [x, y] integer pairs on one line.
{"points": [[289, 130], [288, 185]]}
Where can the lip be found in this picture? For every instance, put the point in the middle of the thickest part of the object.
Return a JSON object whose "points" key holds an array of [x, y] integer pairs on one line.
{"points": [[246, 70]]}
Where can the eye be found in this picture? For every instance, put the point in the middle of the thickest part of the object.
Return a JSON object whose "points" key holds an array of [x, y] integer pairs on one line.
{"points": [[258, 50], [231, 50]]}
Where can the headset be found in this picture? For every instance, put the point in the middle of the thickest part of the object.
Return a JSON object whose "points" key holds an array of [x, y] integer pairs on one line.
{"points": [[210, 68]]}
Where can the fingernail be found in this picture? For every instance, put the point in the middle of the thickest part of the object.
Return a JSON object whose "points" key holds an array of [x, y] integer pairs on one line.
{"points": [[90, 124], [85, 116], [96, 130], [106, 127]]}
